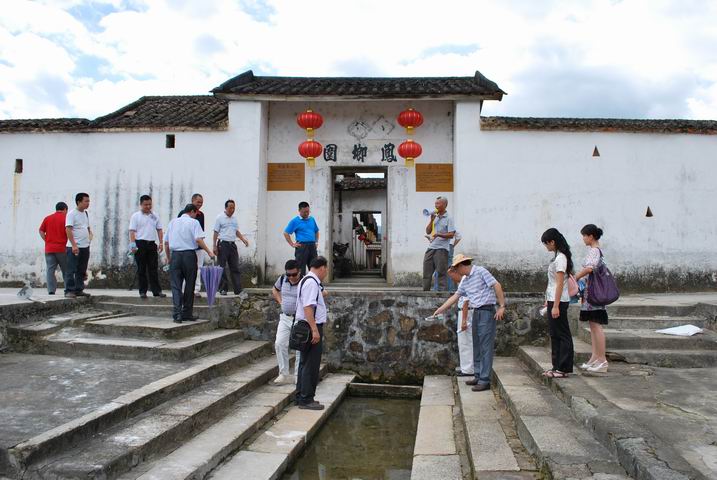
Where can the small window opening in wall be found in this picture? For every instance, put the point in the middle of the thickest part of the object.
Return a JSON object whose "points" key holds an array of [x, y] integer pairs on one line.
{"points": [[18, 165], [648, 213], [169, 142], [596, 152]]}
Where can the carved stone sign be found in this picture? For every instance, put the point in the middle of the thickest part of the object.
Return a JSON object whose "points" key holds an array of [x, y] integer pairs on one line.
{"points": [[434, 177], [285, 177]]}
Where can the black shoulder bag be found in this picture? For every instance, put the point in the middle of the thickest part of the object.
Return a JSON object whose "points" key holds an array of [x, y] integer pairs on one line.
{"points": [[300, 336]]}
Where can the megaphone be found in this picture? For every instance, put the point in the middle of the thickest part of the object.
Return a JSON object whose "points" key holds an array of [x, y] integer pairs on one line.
{"points": [[427, 212]]}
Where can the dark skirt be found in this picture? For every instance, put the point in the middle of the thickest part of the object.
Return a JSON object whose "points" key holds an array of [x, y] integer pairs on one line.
{"points": [[595, 316]]}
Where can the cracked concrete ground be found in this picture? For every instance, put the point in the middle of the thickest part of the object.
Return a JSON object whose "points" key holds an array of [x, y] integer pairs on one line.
{"points": [[40, 392], [677, 405]]}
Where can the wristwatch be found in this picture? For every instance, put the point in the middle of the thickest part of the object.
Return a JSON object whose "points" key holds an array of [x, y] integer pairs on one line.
{"points": [[501, 306]]}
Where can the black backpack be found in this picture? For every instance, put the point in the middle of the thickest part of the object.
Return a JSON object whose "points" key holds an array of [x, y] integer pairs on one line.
{"points": [[300, 336]]}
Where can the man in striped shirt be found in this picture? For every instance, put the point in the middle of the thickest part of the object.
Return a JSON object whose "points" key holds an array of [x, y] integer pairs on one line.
{"points": [[483, 292]]}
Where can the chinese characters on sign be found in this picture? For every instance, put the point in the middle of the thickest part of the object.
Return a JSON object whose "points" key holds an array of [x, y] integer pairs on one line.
{"points": [[330, 152], [387, 154], [359, 153]]}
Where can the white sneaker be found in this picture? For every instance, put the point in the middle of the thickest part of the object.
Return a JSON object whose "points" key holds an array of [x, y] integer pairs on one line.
{"points": [[598, 368], [282, 380]]}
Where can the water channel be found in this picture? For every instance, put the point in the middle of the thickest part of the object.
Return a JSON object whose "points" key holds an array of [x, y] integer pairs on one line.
{"points": [[366, 439]]}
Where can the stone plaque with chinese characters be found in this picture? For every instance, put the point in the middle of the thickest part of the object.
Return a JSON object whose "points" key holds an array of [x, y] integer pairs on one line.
{"points": [[434, 177], [285, 177]]}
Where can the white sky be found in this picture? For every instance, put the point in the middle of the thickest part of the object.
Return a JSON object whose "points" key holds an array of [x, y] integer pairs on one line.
{"points": [[602, 58]]}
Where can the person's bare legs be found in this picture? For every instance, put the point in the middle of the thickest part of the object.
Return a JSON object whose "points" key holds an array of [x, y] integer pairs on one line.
{"points": [[593, 345], [598, 338]]}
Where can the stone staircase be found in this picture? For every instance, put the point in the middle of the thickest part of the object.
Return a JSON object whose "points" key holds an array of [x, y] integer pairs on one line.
{"points": [[631, 337], [585, 427]]}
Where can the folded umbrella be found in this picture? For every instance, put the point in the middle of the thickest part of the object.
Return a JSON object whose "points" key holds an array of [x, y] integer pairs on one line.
{"points": [[212, 277]]}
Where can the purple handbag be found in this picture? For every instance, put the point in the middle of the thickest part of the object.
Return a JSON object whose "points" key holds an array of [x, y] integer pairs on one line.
{"points": [[602, 288]]}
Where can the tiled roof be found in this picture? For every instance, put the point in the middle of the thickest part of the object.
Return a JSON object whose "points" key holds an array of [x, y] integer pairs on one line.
{"points": [[357, 183], [170, 113], [43, 125], [705, 127], [249, 85]]}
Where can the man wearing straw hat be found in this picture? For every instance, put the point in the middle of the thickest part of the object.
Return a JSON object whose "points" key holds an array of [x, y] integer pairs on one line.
{"points": [[483, 292], [184, 236]]}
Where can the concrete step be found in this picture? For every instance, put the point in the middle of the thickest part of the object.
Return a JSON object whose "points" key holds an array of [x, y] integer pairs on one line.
{"points": [[197, 457], [650, 310], [488, 448], [268, 456], [639, 339], [545, 426], [32, 330], [75, 342], [135, 403], [624, 322], [116, 450], [435, 454], [156, 309], [150, 327], [666, 358], [643, 455]]}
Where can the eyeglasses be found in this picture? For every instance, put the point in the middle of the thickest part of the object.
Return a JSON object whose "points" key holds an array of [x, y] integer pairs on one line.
{"points": [[292, 274]]}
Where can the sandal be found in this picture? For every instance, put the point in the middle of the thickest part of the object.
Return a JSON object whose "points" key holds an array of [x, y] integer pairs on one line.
{"points": [[555, 374], [548, 373]]}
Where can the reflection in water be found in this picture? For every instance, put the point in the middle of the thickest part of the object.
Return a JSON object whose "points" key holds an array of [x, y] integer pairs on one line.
{"points": [[366, 439]]}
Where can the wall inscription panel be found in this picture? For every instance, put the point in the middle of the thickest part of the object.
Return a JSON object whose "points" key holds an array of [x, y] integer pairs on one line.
{"points": [[285, 177], [434, 177]]}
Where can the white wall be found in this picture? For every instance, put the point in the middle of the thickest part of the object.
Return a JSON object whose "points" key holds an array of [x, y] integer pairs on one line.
{"points": [[405, 223], [514, 185], [115, 169]]}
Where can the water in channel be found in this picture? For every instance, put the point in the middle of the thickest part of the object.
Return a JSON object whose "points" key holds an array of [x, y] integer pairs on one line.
{"points": [[366, 439]]}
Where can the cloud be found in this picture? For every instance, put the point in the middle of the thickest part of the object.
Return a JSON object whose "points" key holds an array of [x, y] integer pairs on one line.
{"points": [[593, 58]]}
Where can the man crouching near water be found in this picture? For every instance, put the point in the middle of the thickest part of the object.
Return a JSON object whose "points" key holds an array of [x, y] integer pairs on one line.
{"points": [[483, 292]]}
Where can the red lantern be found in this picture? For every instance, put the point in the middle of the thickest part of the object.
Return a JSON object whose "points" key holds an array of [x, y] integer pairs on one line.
{"points": [[410, 119], [310, 149], [310, 121], [410, 150]]}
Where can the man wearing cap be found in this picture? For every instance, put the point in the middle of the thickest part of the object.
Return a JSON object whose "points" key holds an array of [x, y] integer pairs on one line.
{"points": [[184, 236], [226, 231], [440, 230], [483, 292]]}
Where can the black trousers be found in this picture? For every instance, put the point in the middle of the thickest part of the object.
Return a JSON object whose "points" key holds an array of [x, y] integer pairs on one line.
{"points": [[147, 260], [561, 340], [228, 254], [307, 377], [304, 255], [76, 269], [183, 269]]}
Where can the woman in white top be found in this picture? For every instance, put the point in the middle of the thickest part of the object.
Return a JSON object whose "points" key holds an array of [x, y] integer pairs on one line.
{"points": [[558, 300], [595, 315]]}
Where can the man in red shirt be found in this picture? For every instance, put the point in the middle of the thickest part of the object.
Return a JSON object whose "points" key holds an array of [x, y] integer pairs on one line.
{"points": [[52, 232]]}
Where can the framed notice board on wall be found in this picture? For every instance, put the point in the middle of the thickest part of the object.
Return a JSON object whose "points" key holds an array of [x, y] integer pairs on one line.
{"points": [[285, 177], [434, 177]]}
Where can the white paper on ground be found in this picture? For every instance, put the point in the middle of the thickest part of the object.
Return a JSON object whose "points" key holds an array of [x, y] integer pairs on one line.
{"points": [[682, 330]]}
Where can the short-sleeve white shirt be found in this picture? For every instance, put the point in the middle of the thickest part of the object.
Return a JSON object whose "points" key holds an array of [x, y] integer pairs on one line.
{"points": [[559, 264], [80, 223], [145, 226], [183, 233], [310, 294], [226, 227]]}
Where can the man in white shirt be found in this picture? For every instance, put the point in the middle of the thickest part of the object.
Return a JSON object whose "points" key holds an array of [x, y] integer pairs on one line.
{"points": [[310, 307], [79, 236], [145, 236], [226, 231], [184, 237]]}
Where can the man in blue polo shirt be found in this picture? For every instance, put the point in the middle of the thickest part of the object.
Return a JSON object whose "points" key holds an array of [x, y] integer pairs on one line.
{"points": [[306, 233]]}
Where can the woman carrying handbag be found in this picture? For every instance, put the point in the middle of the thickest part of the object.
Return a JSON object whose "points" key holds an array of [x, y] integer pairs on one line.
{"points": [[595, 315]]}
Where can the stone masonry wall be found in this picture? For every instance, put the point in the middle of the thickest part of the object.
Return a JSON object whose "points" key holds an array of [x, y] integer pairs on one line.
{"points": [[384, 336]]}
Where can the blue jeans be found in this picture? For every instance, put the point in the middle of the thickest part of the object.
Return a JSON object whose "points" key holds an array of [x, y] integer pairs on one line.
{"points": [[53, 261], [483, 343]]}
